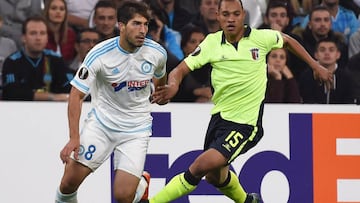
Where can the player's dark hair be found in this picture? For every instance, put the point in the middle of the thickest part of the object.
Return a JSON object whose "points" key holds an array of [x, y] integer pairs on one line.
{"points": [[35, 18], [230, 0], [128, 10]]}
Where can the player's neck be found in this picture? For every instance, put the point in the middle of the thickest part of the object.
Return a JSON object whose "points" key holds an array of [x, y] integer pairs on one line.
{"points": [[127, 46]]}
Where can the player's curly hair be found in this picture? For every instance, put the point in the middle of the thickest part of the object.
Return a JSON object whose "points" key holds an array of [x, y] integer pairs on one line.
{"points": [[129, 8]]}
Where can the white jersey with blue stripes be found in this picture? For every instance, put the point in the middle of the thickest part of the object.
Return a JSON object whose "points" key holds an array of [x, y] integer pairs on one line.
{"points": [[120, 83]]}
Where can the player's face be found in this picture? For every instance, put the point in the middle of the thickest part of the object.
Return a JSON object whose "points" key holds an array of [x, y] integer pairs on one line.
{"points": [[277, 58], [132, 35], [195, 39], [36, 37], [231, 18], [320, 23], [57, 11], [327, 53], [105, 20]]}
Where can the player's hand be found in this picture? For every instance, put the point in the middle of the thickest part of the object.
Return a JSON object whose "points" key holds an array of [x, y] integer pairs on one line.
{"points": [[323, 75], [72, 146], [163, 94]]}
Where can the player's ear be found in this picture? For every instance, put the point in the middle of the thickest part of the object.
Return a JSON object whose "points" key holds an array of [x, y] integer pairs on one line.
{"points": [[121, 26]]}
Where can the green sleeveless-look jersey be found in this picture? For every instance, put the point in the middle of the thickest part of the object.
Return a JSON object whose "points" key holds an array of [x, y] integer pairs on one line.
{"points": [[239, 71]]}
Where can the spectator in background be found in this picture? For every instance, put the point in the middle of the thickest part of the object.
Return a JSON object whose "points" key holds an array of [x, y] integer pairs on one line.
{"points": [[86, 39], [207, 17], [14, 13], [343, 20], [161, 33], [282, 86], [8, 46], [79, 13], [354, 44], [35, 73], [298, 9], [195, 86], [61, 37], [277, 17], [327, 53], [303, 7], [354, 70], [319, 27], [105, 19], [177, 16], [254, 15], [287, 4], [351, 5], [118, 3]]}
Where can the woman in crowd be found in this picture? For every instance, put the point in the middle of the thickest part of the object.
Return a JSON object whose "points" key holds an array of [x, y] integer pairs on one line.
{"points": [[61, 36], [282, 86]]}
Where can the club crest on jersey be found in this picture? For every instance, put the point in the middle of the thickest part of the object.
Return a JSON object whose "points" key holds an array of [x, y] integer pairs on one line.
{"points": [[196, 51], [146, 67], [255, 53], [83, 73]]}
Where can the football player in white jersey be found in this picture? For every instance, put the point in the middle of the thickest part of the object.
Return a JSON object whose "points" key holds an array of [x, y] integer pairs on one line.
{"points": [[119, 73]]}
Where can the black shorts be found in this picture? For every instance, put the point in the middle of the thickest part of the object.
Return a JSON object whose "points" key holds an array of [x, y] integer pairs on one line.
{"points": [[231, 139]]}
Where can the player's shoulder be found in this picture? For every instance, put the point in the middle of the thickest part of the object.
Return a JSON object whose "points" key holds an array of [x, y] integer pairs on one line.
{"points": [[106, 45], [102, 49], [264, 33], [151, 45], [215, 37]]}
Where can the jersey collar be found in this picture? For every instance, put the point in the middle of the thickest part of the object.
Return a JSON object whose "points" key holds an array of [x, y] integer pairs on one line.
{"points": [[246, 34]]}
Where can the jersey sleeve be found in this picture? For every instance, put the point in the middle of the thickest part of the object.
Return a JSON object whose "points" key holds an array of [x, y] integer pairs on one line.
{"points": [[201, 55], [274, 39], [160, 70], [86, 74]]}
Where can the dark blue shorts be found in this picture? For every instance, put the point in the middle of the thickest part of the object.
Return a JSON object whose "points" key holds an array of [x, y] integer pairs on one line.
{"points": [[231, 139]]}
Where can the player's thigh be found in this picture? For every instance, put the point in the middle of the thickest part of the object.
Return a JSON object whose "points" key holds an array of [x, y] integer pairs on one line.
{"points": [[130, 154], [95, 144]]}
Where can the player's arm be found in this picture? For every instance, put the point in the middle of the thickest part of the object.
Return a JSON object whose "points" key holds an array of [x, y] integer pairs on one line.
{"points": [[166, 92], [157, 83], [160, 81], [294, 46], [74, 112]]}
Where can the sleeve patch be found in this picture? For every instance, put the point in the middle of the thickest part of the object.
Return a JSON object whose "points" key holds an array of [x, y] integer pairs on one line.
{"points": [[83, 73]]}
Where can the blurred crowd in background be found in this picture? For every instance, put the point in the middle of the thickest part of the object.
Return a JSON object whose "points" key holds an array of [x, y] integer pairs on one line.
{"points": [[43, 43]]}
